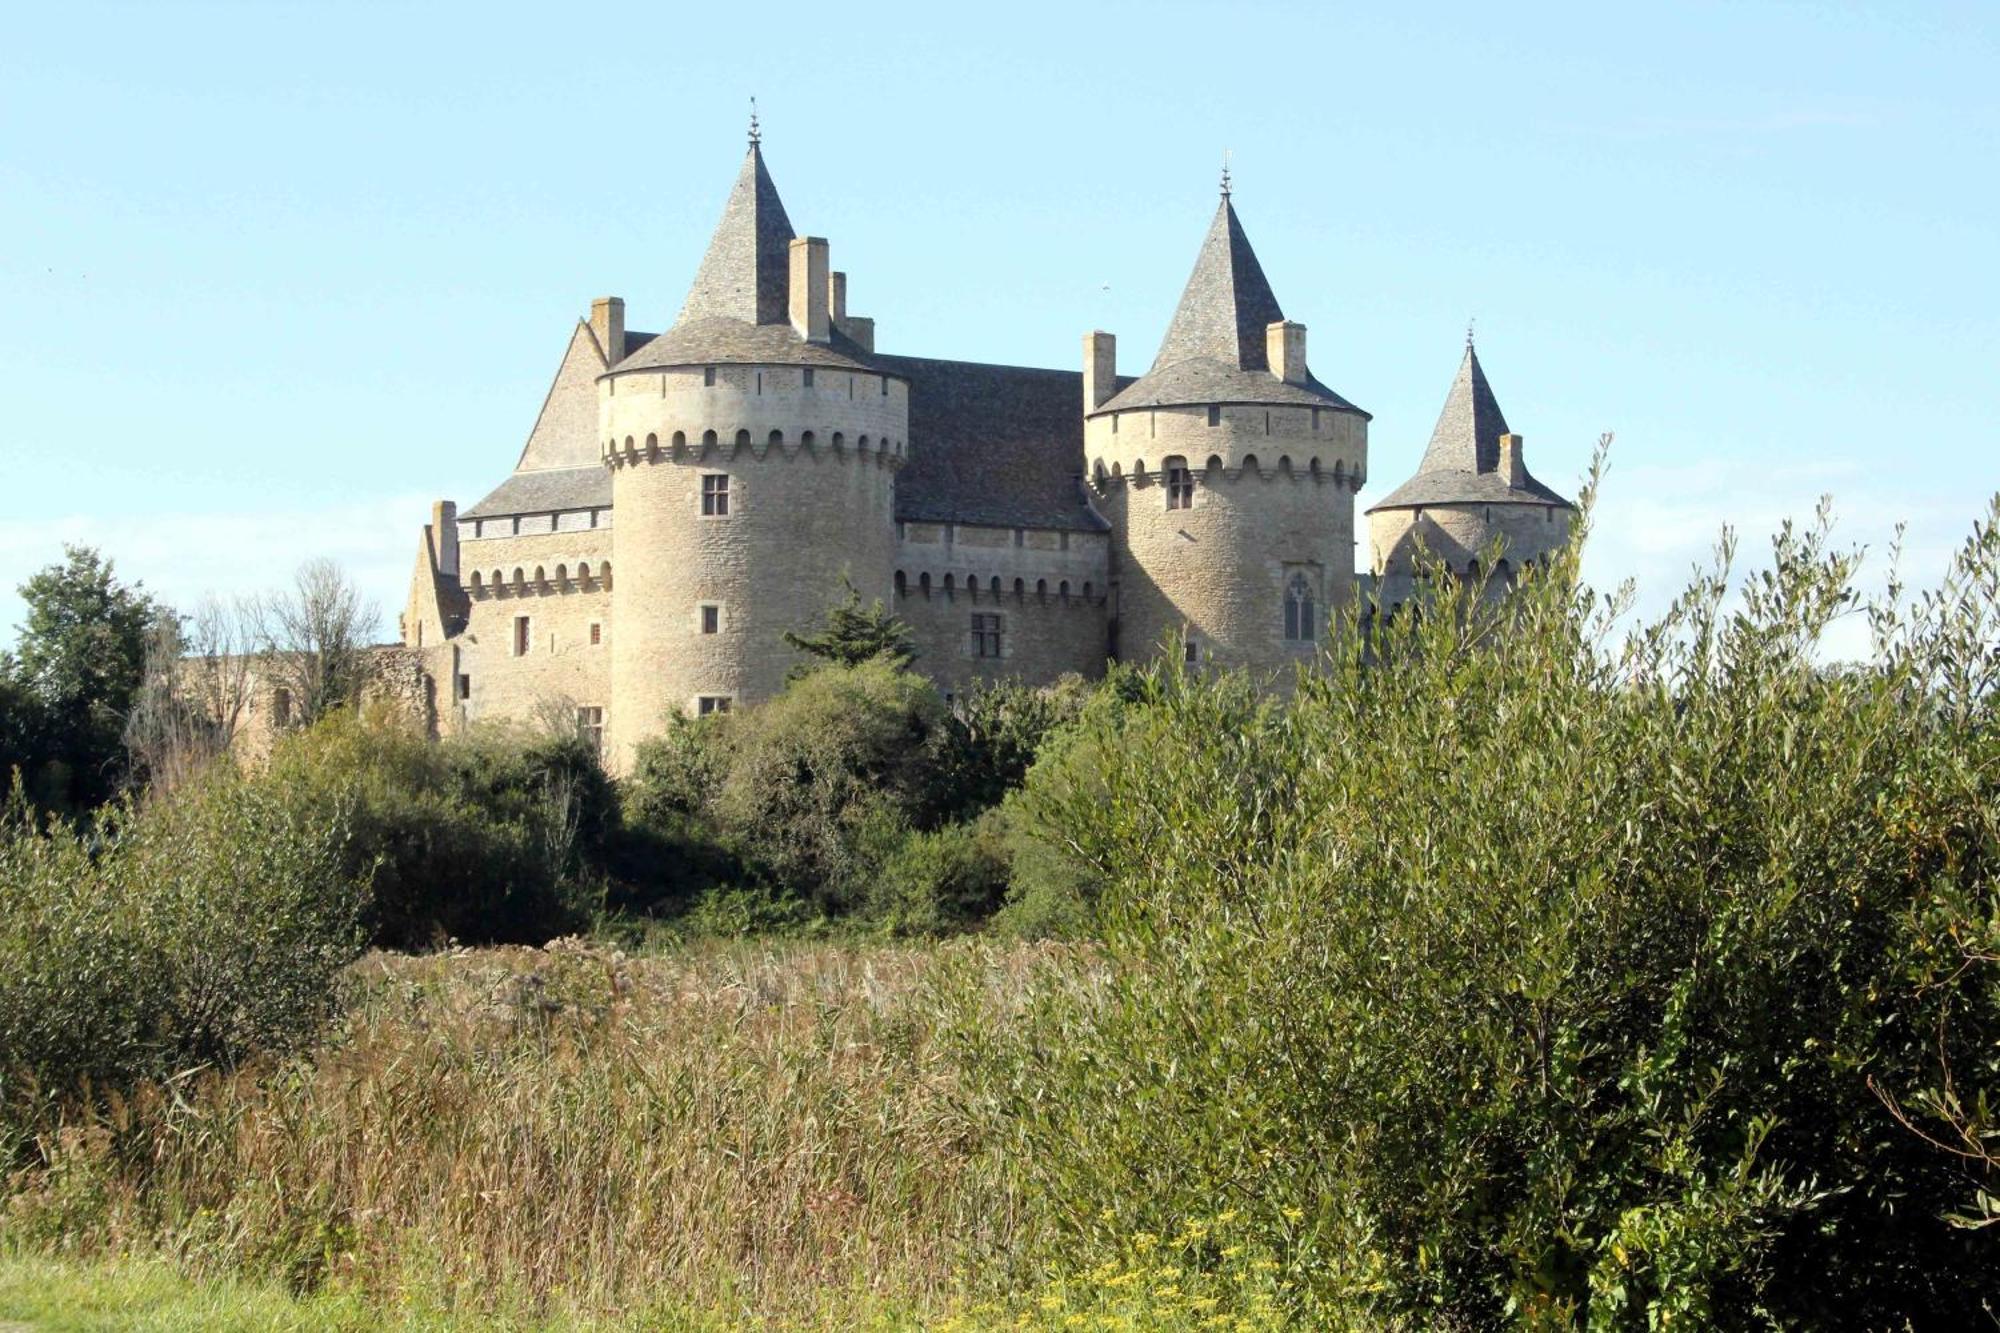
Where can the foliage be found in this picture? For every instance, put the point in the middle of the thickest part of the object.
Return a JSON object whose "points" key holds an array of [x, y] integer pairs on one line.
{"points": [[494, 837], [72, 679], [190, 933], [855, 634], [823, 779], [943, 881], [1552, 981], [997, 730]]}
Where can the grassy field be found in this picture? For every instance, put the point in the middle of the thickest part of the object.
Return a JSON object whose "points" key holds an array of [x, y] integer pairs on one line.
{"points": [[714, 1136]]}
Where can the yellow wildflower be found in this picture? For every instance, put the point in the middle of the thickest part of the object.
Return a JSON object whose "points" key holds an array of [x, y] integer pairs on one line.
{"points": [[1294, 1214]]}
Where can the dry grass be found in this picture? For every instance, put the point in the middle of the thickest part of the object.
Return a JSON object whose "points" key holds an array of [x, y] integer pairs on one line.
{"points": [[730, 1133]]}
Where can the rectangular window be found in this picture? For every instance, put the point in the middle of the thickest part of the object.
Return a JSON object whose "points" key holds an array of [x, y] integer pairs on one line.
{"points": [[596, 634], [985, 634], [1215, 414], [711, 703], [590, 725], [708, 378], [1180, 484], [520, 636], [464, 686], [885, 386], [715, 495], [1191, 651], [711, 619], [281, 707], [809, 377]]}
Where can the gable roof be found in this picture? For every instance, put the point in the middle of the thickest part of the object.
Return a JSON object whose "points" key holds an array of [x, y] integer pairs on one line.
{"points": [[745, 274], [997, 445], [1215, 349], [545, 492], [1462, 463], [565, 433]]}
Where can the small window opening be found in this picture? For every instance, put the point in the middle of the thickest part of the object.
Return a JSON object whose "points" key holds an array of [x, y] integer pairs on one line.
{"points": [[715, 495], [596, 634], [1180, 484], [711, 703], [464, 686], [521, 639], [809, 377], [1299, 610], [590, 725], [986, 634], [1215, 414], [711, 620], [708, 377]]}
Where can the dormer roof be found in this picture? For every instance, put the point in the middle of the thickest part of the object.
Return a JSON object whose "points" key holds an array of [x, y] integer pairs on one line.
{"points": [[1462, 463], [1215, 350]]}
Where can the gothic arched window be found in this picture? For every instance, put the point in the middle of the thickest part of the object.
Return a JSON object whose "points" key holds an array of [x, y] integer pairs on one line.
{"points": [[1298, 609]]}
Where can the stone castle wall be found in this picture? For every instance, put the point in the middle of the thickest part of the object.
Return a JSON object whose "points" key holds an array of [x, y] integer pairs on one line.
{"points": [[810, 475], [1458, 535], [1273, 498], [1049, 587], [562, 583]]}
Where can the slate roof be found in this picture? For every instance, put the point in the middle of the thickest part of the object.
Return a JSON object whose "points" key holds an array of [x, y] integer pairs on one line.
{"points": [[999, 445], [717, 340], [1215, 350], [745, 273], [1461, 465], [545, 492]]}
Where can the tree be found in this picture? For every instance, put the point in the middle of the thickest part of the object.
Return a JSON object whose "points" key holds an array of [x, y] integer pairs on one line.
{"points": [[75, 672], [855, 634], [311, 640], [196, 688]]}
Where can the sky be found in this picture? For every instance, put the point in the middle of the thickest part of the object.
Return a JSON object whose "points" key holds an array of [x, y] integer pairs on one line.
{"points": [[275, 276]]}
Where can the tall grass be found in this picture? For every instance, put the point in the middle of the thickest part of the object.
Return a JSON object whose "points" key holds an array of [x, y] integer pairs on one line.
{"points": [[757, 1133]]}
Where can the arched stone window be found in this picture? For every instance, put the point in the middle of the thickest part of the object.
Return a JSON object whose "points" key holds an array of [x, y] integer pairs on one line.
{"points": [[604, 574], [1300, 621], [994, 587], [708, 437], [478, 584], [902, 584], [1504, 572], [680, 439], [924, 584], [950, 586], [1180, 483], [583, 573], [777, 438], [1020, 588], [1062, 590], [519, 578], [806, 440], [1042, 589], [861, 443], [562, 576], [839, 440], [742, 439], [1086, 590]]}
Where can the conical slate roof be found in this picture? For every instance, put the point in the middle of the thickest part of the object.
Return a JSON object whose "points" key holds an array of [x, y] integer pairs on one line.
{"points": [[1214, 351], [744, 274], [1227, 302], [1462, 463], [739, 308]]}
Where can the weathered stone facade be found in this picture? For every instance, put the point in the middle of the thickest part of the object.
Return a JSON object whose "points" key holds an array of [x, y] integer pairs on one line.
{"points": [[1025, 523]]}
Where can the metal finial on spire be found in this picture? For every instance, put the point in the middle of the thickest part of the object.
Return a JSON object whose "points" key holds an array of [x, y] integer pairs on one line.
{"points": [[1468, 331], [1225, 173], [756, 135]]}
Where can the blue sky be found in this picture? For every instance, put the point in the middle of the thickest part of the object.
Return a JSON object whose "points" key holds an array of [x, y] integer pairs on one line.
{"points": [[273, 276]]}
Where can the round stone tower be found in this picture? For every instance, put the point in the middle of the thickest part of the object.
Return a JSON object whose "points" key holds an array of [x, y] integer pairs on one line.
{"points": [[1472, 500], [1228, 474], [753, 450]]}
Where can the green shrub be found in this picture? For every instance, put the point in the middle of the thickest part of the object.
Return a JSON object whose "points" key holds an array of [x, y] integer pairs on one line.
{"points": [[1551, 981], [940, 882], [996, 732], [492, 838], [824, 779], [191, 932]]}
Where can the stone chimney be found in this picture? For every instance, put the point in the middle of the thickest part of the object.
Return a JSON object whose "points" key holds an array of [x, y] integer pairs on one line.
{"points": [[607, 321], [1285, 349], [1511, 466], [1100, 369], [809, 289], [862, 330], [836, 298], [444, 535]]}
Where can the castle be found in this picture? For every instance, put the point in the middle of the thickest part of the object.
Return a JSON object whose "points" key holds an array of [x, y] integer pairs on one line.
{"points": [[686, 497]]}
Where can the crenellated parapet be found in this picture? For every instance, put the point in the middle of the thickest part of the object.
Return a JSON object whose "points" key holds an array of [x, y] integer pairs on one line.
{"points": [[559, 580]]}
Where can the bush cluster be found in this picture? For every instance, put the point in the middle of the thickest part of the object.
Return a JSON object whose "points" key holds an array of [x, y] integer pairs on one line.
{"points": [[856, 793], [185, 934], [1553, 978]]}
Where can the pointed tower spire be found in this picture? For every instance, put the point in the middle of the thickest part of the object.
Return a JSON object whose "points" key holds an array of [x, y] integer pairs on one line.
{"points": [[744, 274], [1227, 304], [1468, 431]]}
